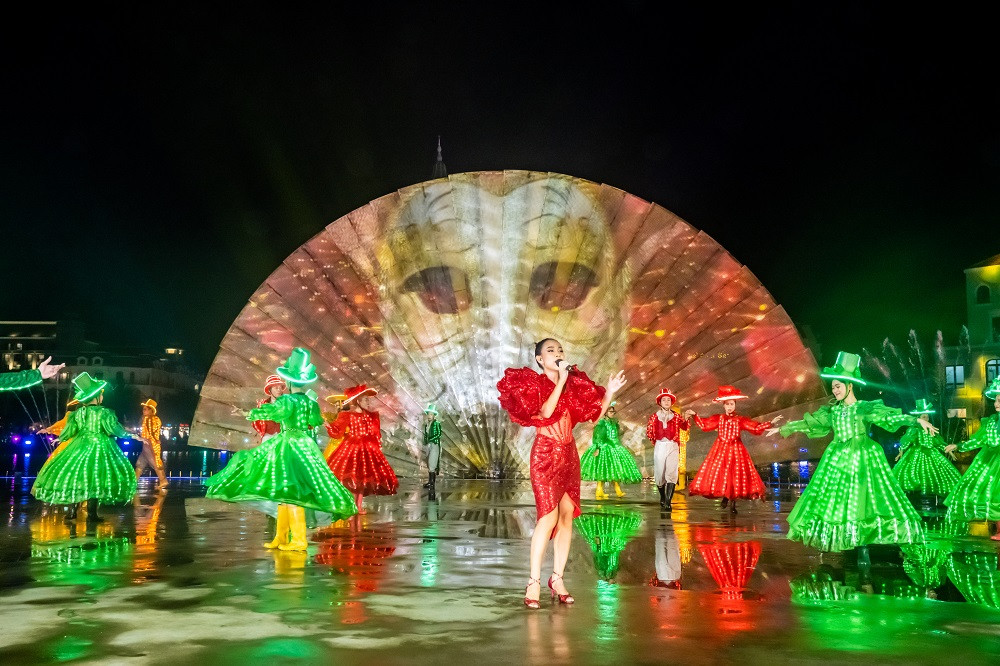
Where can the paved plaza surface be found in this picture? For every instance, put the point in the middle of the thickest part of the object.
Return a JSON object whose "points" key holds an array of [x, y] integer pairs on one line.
{"points": [[176, 578]]}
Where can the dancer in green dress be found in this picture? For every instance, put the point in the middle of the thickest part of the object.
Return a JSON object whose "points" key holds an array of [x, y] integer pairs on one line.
{"points": [[15, 381], [977, 495], [287, 468], [853, 499], [607, 459], [922, 466], [91, 468]]}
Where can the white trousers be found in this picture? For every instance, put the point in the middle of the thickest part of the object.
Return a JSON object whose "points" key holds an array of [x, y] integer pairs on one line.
{"points": [[668, 555], [666, 457]]}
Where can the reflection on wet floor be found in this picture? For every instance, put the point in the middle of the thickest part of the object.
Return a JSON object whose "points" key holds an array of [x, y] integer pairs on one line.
{"points": [[181, 579]]}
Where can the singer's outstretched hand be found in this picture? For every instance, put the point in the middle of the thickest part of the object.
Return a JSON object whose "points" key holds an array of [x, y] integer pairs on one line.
{"points": [[616, 382]]}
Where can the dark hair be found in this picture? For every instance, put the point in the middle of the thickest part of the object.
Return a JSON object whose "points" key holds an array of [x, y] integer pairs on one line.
{"points": [[538, 348]]}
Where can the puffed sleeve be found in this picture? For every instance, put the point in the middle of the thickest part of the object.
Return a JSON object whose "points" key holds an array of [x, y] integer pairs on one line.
{"points": [[521, 394], [279, 410], [711, 423], [14, 381], [814, 425], [583, 397], [754, 427], [314, 417], [111, 425], [892, 419], [337, 428], [72, 426], [984, 437]]}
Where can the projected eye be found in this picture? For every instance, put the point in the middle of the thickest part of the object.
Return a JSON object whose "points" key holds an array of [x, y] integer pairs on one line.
{"points": [[441, 289], [562, 284]]}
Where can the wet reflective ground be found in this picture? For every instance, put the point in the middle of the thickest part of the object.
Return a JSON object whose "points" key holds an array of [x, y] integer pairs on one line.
{"points": [[181, 579]]}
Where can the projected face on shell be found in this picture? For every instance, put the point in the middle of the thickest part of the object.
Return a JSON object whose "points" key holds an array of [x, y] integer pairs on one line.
{"points": [[476, 277]]}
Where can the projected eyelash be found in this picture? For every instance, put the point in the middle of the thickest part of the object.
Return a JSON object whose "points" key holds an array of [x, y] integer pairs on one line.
{"points": [[441, 289]]}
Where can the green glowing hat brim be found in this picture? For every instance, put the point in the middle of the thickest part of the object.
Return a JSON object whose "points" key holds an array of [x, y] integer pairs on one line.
{"points": [[847, 368], [86, 388], [297, 368], [993, 390]]}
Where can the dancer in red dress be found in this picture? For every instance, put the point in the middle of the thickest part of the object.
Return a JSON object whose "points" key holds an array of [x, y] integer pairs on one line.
{"points": [[359, 462], [728, 472], [553, 401]]}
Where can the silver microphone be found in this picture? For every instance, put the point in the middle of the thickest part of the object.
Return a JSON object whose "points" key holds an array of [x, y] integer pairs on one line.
{"points": [[560, 361]]}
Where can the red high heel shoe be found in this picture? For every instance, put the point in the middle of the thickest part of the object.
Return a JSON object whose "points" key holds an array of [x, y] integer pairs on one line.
{"points": [[563, 598], [532, 603]]}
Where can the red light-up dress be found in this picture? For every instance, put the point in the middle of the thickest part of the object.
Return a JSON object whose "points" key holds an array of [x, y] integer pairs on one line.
{"points": [[555, 461], [359, 462], [728, 470]]}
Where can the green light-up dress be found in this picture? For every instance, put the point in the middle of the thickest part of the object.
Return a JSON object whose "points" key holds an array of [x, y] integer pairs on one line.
{"points": [[287, 468], [922, 466], [15, 381], [976, 496], [607, 459], [853, 498], [91, 466]]}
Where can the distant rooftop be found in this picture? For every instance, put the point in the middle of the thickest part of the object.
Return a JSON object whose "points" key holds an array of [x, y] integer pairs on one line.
{"points": [[992, 261]]}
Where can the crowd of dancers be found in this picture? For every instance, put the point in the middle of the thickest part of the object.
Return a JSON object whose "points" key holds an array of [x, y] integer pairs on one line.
{"points": [[853, 500]]}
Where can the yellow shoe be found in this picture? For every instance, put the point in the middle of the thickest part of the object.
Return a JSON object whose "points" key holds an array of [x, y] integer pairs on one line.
{"points": [[281, 532], [297, 525], [618, 490], [600, 492]]}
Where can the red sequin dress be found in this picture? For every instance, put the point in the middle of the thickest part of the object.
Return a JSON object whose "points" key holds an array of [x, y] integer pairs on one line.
{"points": [[728, 470], [555, 461], [359, 462]]}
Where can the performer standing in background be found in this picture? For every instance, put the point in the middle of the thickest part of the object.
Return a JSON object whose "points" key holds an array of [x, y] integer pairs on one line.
{"points": [[607, 459], [432, 440], [663, 429], [287, 467], [150, 456], [274, 388], [92, 468], [553, 401], [337, 401], [728, 471], [976, 496], [359, 462], [922, 466], [15, 381], [853, 499]]}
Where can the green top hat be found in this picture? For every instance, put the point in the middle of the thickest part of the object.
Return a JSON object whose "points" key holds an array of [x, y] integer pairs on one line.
{"points": [[297, 368], [993, 389], [431, 409], [846, 369], [924, 406], [87, 387]]}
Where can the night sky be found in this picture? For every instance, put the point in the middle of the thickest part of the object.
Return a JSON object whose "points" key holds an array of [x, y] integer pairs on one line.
{"points": [[157, 168]]}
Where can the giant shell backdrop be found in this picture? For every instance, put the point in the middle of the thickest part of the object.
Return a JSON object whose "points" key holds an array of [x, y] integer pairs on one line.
{"points": [[429, 293]]}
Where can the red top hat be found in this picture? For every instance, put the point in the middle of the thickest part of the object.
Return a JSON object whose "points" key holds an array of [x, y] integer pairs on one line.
{"points": [[729, 393], [666, 392], [356, 392], [271, 382]]}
